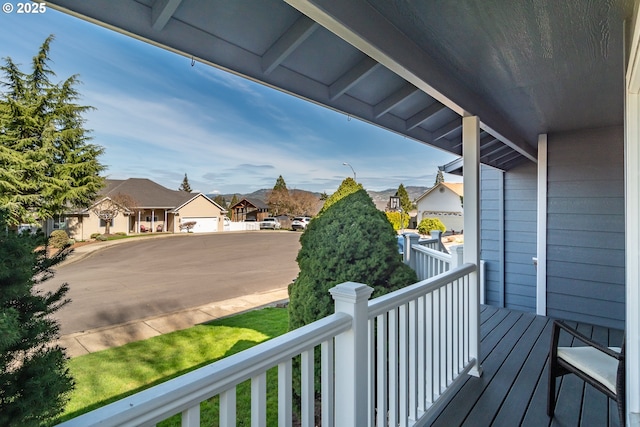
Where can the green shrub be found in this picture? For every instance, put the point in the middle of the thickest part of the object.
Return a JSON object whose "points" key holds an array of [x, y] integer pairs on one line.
{"points": [[101, 238], [59, 239], [395, 217], [350, 241], [429, 224], [94, 235]]}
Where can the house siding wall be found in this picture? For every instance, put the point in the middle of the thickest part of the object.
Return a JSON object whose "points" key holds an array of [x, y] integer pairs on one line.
{"points": [[445, 201], [585, 226], [508, 236], [200, 207]]}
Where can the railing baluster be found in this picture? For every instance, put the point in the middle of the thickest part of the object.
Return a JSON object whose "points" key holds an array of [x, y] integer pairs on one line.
{"points": [[443, 338], [394, 400], [403, 361], [285, 408], [228, 408], [430, 348], [307, 386], [371, 363], [421, 355], [382, 370], [191, 417], [327, 384], [413, 360], [259, 400]]}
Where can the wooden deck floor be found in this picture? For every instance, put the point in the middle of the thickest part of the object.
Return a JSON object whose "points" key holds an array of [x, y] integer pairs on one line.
{"points": [[513, 388]]}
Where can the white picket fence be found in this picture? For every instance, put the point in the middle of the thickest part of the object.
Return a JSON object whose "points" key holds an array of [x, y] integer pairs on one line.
{"points": [[415, 342]]}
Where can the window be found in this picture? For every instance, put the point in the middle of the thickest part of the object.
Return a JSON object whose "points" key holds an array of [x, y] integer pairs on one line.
{"points": [[103, 223], [148, 219], [59, 223]]}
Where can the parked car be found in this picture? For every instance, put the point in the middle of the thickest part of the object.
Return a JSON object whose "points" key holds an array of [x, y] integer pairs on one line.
{"points": [[270, 223], [300, 222]]}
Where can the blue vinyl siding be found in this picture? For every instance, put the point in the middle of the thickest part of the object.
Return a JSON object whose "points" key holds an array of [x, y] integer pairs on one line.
{"points": [[585, 226], [508, 236]]}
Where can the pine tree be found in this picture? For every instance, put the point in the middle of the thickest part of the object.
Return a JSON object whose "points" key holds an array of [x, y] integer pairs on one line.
{"points": [[439, 177], [185, 185], [348, 186], [279, 199], [34, 378], [405, 201], [46, 161]]}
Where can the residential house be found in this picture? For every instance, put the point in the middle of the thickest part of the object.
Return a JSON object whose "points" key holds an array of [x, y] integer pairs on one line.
{"points": [[443, 201], [142, 206], [249, 209], [544, 94]]}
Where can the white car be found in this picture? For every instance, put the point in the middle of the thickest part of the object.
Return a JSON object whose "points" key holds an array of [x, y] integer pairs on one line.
{"points": [[270, 223], [300, 222]]}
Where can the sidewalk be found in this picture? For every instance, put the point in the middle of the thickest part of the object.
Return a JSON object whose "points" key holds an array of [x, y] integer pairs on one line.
{"points": [[81, 343]]}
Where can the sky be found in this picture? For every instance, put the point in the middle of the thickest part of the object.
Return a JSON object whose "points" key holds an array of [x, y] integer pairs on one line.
{"points": [[160, 116]]}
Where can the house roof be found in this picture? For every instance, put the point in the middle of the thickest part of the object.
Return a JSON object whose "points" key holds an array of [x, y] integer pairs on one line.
{"points": [[256, 203], [415, 67], [146, 193], [456, 187]]}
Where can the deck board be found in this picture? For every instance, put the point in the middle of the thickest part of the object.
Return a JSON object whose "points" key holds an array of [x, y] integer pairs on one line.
{"points": [[513, 388]]}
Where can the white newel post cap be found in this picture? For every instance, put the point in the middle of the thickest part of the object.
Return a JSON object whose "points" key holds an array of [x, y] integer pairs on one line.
{"points": [[351, 292]]}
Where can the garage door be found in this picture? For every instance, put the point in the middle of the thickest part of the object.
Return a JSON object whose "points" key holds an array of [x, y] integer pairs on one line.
{"points": [[203, 224]]}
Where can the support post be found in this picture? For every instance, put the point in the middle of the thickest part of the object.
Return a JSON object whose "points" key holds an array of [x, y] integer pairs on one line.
{"points": [[351, 368], [541, 257], [471, 171], [409, 240]]}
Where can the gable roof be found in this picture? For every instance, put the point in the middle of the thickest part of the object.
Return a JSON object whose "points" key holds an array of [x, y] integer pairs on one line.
{"points": [[256, 203], [195, 196], [456, 187], [147, 193]]}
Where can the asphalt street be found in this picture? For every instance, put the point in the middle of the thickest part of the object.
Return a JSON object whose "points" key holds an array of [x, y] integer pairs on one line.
{"points": [[151, 277]]}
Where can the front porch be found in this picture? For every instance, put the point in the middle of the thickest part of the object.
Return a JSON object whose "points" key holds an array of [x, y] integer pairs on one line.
{"points": [[512, 390]]}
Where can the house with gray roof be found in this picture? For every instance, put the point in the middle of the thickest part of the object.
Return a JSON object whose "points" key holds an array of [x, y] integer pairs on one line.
{"points": [[140, 205]]}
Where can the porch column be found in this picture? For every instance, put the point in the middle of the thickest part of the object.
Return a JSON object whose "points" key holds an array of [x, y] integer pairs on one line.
{"points": [[471, 176], [166, 216], [351, 379], [138, 224], [632, 225], [153, 214], [541, 257]]}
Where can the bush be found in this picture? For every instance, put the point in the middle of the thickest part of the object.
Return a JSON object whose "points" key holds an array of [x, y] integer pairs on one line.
{"points": [[349, 241], [95, 235], [395, 217], [429, 224], [101, 238], [59, 239]]}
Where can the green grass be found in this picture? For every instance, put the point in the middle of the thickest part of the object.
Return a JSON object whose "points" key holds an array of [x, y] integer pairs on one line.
{"points": [[113, 374]]}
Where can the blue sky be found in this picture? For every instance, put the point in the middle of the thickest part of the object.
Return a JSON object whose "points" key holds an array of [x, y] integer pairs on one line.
{"points": [[159, 117]]}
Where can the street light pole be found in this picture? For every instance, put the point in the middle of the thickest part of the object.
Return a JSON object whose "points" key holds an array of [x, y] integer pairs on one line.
{"points": [[354, 172]]}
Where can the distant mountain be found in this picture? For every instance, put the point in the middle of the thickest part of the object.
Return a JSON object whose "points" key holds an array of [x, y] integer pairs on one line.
{"points": [[380, 198]]}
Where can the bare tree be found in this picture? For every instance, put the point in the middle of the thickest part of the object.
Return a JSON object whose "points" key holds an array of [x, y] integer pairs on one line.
{"points": [[303, 203], [109, 208]]}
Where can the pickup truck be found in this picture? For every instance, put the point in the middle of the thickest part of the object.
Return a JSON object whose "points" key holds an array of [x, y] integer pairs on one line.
{"points": [[270, 223]]}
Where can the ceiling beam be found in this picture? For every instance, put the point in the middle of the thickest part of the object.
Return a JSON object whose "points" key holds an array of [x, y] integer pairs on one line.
{"points": [[288, 43], [424, 115], [162, 11], [393, 100], [446, 129], [361, 25], [352, 77]]}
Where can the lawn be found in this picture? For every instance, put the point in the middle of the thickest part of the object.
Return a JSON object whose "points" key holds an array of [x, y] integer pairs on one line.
{"points": [[112, 374]]}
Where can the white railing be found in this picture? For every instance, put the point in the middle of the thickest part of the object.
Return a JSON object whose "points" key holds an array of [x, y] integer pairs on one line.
{"points": [[418, 341], [242, 226]]}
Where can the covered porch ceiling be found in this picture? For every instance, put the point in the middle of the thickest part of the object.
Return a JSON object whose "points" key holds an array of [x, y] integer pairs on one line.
{"points": [[414, 67]]}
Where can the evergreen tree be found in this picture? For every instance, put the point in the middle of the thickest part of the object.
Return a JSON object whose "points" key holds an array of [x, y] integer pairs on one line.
{"points": [[439, 177], [219, 199], [233, 201], [348, 186], [350, 241], [405, 201], [46, 161], [279, 199], [34, 378], [185, 185]]}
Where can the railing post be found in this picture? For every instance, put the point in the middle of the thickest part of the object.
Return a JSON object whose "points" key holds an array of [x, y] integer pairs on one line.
{"points": [[351, 379], [410, 239], [457, 256]]}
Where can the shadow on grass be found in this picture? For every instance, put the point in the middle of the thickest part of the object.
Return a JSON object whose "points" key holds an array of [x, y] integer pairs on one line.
{"points": [[269, 323]]}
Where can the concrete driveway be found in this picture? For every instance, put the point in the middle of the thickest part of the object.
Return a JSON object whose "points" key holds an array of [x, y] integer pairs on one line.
{"points": [[151, 277]]}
